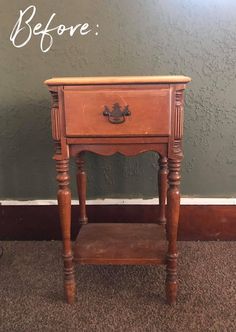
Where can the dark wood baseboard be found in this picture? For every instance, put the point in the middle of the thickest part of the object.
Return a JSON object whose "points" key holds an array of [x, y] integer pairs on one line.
{"points": [[197, 222]]}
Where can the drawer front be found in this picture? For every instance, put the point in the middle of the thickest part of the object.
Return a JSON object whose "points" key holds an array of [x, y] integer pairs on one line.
{"points": [[117, 112]]}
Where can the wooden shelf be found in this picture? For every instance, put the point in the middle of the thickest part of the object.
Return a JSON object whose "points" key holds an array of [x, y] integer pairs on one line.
{"points": [[121, 243]]}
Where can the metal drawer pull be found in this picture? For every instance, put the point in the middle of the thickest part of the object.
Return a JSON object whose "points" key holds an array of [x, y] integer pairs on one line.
{"points": [[116, 115]]}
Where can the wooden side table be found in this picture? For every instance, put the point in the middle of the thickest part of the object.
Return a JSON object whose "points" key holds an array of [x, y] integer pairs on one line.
{"points": [[128, 115]]}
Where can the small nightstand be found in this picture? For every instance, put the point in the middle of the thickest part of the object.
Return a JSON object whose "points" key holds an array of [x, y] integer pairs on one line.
{"points": [[129, 115]]}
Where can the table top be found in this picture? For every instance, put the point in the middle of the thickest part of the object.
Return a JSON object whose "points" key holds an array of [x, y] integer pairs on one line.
{"points": [[117, 80]]}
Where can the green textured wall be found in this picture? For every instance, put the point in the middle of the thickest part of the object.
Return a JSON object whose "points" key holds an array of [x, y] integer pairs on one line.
{"points": [[135, 37]]}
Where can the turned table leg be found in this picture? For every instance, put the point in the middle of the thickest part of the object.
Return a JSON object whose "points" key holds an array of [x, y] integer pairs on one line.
{"points": [[81, 187], [64, 203], [162, 188], [173, 200]]}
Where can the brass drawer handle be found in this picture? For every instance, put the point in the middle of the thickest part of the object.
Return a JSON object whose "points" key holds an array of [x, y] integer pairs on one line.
{"points": [[116, 115]]}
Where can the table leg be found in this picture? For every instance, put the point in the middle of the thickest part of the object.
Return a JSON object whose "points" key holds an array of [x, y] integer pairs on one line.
{"points": [[162, 188], [173, 200], [64, 203], [81, 187]]}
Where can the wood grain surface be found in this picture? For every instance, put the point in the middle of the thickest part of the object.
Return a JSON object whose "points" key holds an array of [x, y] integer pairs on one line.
{"points": [[117, 80]]}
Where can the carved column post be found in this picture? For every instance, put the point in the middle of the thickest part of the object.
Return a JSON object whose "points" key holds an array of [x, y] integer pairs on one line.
{"points": [[173, 198], [64, 203], [81, 187], [63, 195], [162, 188]]}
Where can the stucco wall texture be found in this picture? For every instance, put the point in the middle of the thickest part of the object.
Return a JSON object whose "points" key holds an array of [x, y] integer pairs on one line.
{"points": [[135, 37]]}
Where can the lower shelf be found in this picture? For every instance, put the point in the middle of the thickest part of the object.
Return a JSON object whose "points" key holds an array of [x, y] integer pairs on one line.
{"points": [[121, 243]]}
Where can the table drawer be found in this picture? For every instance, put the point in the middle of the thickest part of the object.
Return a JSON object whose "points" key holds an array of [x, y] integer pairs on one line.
{"points": [[117, 112]]}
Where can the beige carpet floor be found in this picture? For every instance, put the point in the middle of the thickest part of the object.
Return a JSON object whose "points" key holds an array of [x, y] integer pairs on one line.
{"points": [[117, 298]]}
